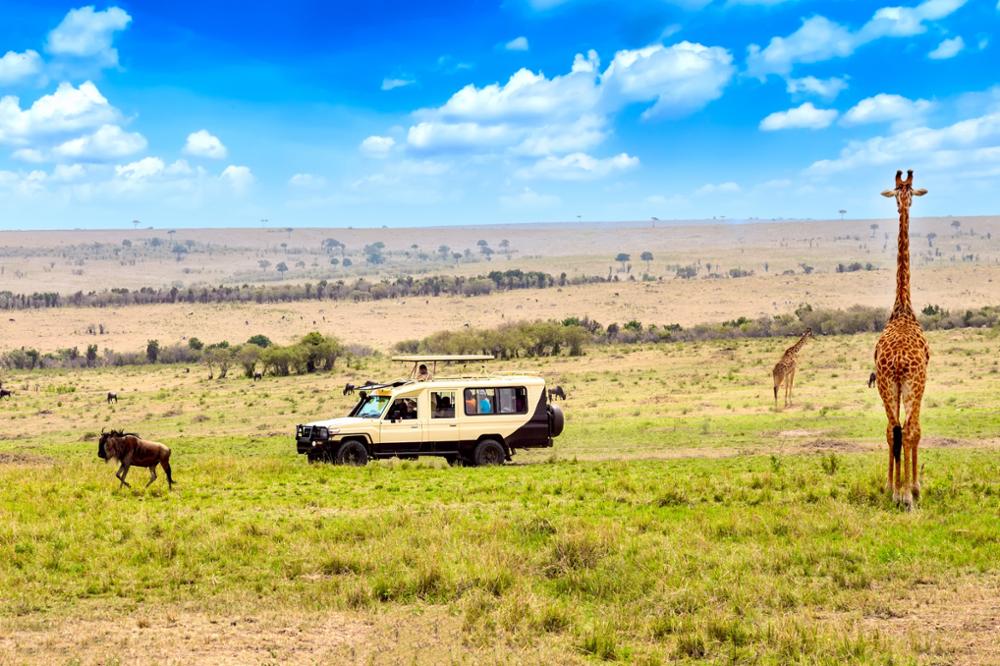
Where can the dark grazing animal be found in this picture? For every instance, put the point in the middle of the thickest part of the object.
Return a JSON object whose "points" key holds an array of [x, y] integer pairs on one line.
{"points": [[4, 393], [871, 380], [112, 397], [257, 376], [130, 449], [349, 389], [557, 392]]}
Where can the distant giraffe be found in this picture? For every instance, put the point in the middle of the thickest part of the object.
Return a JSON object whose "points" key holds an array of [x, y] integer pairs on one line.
{"points": [[901, 357], [784, 371]]}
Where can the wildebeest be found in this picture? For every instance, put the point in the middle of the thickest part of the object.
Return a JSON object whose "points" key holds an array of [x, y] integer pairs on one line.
{"points": [[557, 392], [257, 376], [871, 380], [130, 449], [4, 393], [349, 389], [112, 397]]}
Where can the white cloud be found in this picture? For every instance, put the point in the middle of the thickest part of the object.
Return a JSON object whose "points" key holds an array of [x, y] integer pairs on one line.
{"points": [[143, 169], [681, 78], [948, 48], [517, 44], [29, 155], [67, 109], [377, 146], [886, 108], [108, 142], [22, 183], [528, 198], [819, 39], [240, 178], [66, 173], [393, 83], [809, 85], [729, 187], [204, 144], [85, 33], [16, 67], [307, 181], [532, 114], [962, 144], [578, 166], [805, 116]]}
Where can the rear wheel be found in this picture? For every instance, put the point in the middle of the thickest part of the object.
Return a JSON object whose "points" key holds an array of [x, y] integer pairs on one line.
{"points": [[352, 452], [489, 452]]}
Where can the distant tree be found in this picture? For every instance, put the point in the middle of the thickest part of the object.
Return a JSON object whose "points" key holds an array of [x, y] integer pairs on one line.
{"points": [[126, 243], [373, 252], [260, 340], [334, 261], [196, 344], [622, 258], [842, 213], [930, 239], [179, 250], [152, 350], [487, 252], [91, 355], [456, 257], [874, 228], [444, 251], [264, 264], [956, 225], [505, 247], [247, 356], [647, 256], [481, 243], [300, 264], [218, 355], [282, 268], [331, 244], [289, 231], [346, 263]]}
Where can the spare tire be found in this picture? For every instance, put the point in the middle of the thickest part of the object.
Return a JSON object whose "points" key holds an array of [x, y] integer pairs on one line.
{"points": [[556, 421]]}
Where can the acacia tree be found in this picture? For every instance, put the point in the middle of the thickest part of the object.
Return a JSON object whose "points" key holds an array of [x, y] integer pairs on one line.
{"points": [[647, 256], [623, 259], [282, 268]]}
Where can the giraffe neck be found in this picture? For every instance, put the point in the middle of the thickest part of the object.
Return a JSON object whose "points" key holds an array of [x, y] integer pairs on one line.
{"points": [[903, 307], [794, 349]]}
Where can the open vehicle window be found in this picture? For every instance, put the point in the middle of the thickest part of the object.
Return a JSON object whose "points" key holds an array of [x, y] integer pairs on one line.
{"points": [[443, 404], [512, 400], [403, 409], [372, 407]]}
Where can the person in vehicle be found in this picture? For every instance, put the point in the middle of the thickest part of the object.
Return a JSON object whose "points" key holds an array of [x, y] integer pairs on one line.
{"points": [[423, 374], [485, 405]]}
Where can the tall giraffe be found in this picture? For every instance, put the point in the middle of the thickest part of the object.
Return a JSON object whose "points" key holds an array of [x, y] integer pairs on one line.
{"points": [[901, 357], [784, 371]]}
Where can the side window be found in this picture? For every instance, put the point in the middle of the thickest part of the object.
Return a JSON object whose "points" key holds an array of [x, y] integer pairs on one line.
{"points": [[496, 401], [480, 401], [443, 404], [513, 400], [403, 409]]}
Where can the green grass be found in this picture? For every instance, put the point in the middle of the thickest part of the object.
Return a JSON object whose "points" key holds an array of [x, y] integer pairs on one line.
{"points": [[594, 551]]}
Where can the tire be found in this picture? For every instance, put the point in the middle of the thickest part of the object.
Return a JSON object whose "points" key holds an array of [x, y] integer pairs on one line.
{"points": [[556, 421], [454, 460], [352, 452], [489, 452]]}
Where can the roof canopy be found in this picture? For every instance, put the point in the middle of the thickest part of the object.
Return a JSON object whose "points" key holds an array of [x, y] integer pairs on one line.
{"points": [[442, 358]]}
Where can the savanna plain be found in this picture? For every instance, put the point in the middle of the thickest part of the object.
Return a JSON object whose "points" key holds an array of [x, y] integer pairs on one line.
{"points": [[680, 517]]}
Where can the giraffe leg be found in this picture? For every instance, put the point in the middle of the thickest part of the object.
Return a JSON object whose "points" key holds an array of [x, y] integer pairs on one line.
{"points": [[791, 385], [911, 436], [892, 459], [889, 392]]}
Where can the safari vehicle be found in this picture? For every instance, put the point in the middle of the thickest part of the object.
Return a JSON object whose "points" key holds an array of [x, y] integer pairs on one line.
{"points": [[466, 419]]}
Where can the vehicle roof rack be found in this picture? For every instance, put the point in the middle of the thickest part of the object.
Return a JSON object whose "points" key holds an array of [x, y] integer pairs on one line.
{"points": [[434, 359]]}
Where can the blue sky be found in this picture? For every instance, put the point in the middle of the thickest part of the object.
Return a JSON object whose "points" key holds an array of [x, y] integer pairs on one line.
{"points": [[325, 113]]}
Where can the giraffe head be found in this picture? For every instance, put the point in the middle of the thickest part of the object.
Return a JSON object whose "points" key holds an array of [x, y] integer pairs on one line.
{"points": [[904, 191], [807, 335]]}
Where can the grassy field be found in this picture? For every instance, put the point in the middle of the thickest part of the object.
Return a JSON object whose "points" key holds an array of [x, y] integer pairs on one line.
{"points": [[679, 517]]}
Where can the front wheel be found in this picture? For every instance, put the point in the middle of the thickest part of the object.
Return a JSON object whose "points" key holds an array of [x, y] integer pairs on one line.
{"points": [[489, 452], [352, 452]]}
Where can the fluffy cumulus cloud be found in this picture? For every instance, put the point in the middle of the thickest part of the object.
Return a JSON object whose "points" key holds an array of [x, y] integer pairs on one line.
{"points": [[819, 39], [307, 181], [204, 144], [67, 109], [88, 34], [239, 178], [805, 116], [728, 187], [578, 166], [16, 67], [377, 146], [558, 120], [810, 85], [948, 48], [529, 198], [517, 44], [107, 142], [966, 144], [886, 108]]}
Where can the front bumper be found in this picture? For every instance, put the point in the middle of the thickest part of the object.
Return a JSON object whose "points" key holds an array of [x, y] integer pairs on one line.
{"points": [[308, 437]]}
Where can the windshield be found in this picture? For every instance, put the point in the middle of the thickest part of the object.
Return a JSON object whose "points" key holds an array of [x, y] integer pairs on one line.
{"points": [[372, 407]]}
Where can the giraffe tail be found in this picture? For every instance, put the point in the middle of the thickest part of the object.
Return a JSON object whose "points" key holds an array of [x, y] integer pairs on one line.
{"points": [[775, 391], [897, 442]]}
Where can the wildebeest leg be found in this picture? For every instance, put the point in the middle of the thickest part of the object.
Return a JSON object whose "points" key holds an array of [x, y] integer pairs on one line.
{"points": [[121, 474], [152, 476], [170, 479]]}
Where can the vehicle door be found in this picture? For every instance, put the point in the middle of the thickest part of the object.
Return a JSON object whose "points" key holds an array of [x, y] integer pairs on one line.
{"points": [[400, 430], [441, 432]]}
